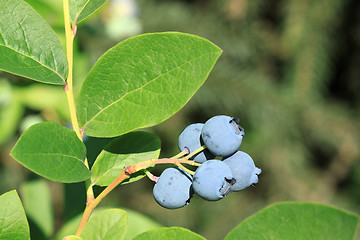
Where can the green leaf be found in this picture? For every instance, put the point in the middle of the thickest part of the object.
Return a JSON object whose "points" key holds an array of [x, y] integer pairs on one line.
{"points": [[13, 223], [138, 223], [297, 220], [142, 81], [80, 9], [10, 111], [69, 227], [28, 45], [52, 151], [169, 233], [42, 97], [124, 151], [38, 205], [106, 225], [72, 237]]}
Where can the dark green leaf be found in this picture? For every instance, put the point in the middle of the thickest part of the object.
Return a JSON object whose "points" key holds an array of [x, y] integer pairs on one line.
{"points": [[52, 151], [109, 224], [13, 223], [297, 220], [80, 9], [124, 151], [38, 206], [28, 45], [142, 81], [169, 233]]}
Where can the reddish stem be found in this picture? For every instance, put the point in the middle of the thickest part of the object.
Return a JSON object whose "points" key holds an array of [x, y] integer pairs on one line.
{"points": [[125, 174], [91, 205]]}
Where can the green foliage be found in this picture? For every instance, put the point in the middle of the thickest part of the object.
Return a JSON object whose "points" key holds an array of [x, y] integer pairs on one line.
{"points": [[10, 111], [106, 225], [277, 75], [28, 45], [38, 206], [138, 223], [169, 233], [72, 237], [123, 151], [80, 9], [142, 81], [13, 223], [52, 151], [297, 220]]}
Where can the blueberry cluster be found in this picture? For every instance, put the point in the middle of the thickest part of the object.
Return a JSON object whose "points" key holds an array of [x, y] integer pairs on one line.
{"points": [[213, 179]]}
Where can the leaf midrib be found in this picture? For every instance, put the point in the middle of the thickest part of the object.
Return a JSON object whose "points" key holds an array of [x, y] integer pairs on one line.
{"points": [[28, 56], [48, 154]]}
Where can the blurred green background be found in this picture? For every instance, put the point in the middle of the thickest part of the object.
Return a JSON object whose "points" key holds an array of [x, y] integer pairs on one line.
{"points": [[290, 71]]}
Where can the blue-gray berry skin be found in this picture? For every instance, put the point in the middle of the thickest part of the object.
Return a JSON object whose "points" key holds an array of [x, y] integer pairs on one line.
{"points": [[222, 135], [173, 189], [243, 169], [212, 180], [190, 138]]}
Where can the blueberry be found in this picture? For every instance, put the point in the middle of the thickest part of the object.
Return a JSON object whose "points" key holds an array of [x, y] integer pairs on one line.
{"points": [[222, 135], [212, 180], [173, 189], [243, 169], [190, 138]]}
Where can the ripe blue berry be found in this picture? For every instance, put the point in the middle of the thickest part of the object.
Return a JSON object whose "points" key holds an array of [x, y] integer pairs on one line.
{"points": [[213, 180], [173, 189], [243, 169], [222, 135], [190, 138]]}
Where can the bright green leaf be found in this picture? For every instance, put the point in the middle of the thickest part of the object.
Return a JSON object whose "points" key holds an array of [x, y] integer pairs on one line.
{"points": [[80, 9], [13, 222], [142, 81], [138, 223], [72, 237], [169, 233], [297, 220], [109, 224], [124, 151], [28, 45], [52, 151], [38, 205], [69, 227]]}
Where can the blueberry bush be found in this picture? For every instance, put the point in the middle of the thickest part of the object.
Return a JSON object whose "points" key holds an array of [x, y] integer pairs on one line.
{"points": [[138, 83]]}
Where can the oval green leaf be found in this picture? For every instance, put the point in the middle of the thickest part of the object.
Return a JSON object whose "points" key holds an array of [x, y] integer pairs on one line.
{"points": [[69, 227], [297, 220], [106, 225], [13, 222], [80, 9], [169, 233], [124, 151], [142, 81], [52, 151], [138, 223], [38, 206], [28, 45]]}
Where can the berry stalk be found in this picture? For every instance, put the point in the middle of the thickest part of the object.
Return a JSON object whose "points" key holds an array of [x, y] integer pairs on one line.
{"points": [[125, 174]]}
